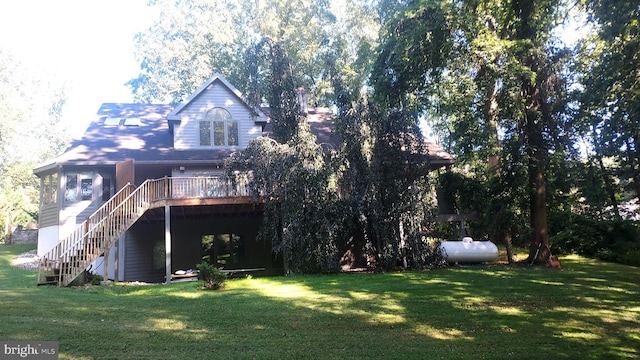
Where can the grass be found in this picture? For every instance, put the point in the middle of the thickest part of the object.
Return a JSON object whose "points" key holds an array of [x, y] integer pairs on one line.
{"points": [[587, 310]]}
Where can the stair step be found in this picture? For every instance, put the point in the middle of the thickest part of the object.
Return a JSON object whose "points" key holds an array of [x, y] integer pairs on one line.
{"points": [[47, 283]]}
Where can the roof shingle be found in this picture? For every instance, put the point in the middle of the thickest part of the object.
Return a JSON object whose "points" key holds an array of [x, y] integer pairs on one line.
{"points": [[152, 140]]}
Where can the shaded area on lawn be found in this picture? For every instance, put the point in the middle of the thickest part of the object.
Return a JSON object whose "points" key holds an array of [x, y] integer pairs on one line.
{"points": [[589, 310]]}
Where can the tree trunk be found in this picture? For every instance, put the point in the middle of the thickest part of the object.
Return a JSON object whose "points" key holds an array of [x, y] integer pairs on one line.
{"points": [[403, 247], [603, 172], [537, 158], [608, 183], [285, 253], [9, 228], [538, 210], [534, 122], [633, 165], [491, 118], [509, 246]]}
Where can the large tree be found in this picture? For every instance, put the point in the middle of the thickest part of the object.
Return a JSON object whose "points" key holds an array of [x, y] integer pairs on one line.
{"points": [[610, 98], [192, 39], [30, 132], [295, 180], [384, 186], [483, 70]]}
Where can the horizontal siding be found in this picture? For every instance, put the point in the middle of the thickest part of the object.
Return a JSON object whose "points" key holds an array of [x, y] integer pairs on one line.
{"points": [[49, 215], [140, 242], [196, 172], [187, 135], [137, 258], [76, 212]]}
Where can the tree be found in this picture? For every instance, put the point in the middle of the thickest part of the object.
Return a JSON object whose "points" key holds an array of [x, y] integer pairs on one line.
{"points": [[610, 96], [30, 132], [192, 39], [285, 108], [189, 41], [481, 68], [295, 180], [384, 185]]}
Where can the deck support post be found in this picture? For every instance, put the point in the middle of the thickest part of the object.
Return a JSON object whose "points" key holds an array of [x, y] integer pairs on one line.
{"points": [[106, 265], [167, 243]]}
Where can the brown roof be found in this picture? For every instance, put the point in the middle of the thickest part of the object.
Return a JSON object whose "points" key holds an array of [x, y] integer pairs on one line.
{"points": [[151, 140]]}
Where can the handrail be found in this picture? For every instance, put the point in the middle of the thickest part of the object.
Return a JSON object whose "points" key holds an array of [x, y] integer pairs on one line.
{"points": [[53, 256], [71, 256]]}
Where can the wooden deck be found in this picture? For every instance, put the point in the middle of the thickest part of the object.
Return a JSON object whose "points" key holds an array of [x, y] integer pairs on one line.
{"points": [[93, 238]]}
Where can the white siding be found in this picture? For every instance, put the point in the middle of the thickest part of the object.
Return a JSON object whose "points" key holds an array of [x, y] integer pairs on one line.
{"points": [[195, 172], [187, 134], [97, 267], [47, 239]]}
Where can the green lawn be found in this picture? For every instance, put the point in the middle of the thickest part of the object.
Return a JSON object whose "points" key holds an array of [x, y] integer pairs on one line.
{"points": [[587, 310]]}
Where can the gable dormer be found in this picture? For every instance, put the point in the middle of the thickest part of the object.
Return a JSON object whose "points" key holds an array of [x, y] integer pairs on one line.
{"points": [[215, 116]]}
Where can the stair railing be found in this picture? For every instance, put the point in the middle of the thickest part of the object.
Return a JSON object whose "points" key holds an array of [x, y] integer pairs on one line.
{"points": [[53, 258], [73, 254]]}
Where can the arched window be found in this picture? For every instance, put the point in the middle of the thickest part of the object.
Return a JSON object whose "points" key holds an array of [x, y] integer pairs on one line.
{"points": [[218, 129]]}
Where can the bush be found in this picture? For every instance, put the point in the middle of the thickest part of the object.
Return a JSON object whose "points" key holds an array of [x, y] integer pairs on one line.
{"points": [[213, 278], [608, 240], [96, 280]]}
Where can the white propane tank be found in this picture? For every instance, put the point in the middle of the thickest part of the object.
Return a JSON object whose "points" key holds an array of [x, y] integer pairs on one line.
{"points": [[469, 251]]}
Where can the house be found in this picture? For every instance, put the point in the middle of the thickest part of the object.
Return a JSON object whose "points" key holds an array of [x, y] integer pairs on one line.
{"points": [[142, 194]]}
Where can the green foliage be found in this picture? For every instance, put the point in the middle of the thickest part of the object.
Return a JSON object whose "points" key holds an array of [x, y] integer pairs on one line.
{"points": [[30, 132], [191, 39], [297, 181], [384, 184], [490, 81], [606, 65], [609, 240], [285, 111], [416, 45], [213, 278], [96, 280], [188, 42], [488, 76]]}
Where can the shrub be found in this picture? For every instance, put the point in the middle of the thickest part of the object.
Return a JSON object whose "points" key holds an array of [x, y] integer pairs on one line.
{"points": [[96, 280], [608, 240], [213, 278]]}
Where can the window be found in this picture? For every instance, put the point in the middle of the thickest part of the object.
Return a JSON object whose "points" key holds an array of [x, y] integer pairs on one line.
{"points": [[78, 187], [71, 188], [112, 121], [106, 189], [86, 189], [222, 249], [132, 122], [219, 127], [205, 133], [50, 189]]}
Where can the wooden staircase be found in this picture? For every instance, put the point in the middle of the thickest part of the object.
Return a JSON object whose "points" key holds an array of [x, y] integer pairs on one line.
{"points": [[73, 254], [95, 236]]}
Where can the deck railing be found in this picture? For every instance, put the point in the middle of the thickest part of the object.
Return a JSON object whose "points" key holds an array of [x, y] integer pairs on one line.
{"points": [[74, 253]]}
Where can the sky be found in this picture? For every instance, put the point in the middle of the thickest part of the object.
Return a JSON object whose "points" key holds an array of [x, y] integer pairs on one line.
{"points": [[87, 44]]}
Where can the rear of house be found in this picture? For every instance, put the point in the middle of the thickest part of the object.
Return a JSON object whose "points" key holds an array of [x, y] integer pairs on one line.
{"points": [[131, 143], [142, 194]]}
